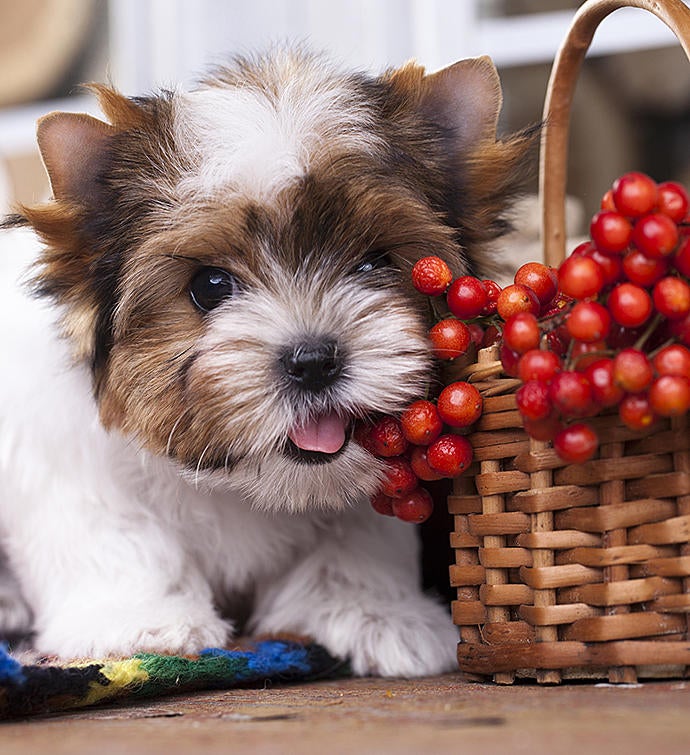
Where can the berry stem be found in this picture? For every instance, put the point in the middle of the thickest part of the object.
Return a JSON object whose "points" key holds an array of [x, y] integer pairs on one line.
{"points": [[666, 343], [590, 354], [436, 313], [653, 325], [568, 359]]}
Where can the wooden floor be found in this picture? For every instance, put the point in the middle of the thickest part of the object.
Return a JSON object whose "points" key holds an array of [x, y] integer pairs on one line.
{"points": [[440, 715]]}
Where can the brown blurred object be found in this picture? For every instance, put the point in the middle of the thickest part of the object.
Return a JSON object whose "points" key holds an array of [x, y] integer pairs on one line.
{"points": [[39, 43]]}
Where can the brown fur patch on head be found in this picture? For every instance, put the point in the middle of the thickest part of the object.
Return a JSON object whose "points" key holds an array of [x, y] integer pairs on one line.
{"points": [[108, 181]]}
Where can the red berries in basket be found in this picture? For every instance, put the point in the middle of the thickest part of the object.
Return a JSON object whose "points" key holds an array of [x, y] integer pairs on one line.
{"points": [[626, 327], [608, 331]]}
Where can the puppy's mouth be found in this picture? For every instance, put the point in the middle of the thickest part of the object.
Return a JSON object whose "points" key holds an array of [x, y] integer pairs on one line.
{"points": [[319, 440]]}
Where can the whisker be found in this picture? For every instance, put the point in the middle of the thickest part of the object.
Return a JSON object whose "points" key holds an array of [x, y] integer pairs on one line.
{"points": [[198, 466], [168, 446], [227, 461]]}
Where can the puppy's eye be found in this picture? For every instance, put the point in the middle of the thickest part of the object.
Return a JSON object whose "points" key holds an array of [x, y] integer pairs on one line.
{"points": [[375, 260], [211, 286]]}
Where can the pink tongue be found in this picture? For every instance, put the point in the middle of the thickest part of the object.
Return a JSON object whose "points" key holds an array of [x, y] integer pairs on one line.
{"points": [[325, 434]]}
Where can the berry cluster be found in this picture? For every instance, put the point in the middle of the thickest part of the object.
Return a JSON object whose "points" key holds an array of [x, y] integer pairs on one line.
{"points": [[617, 341], [609, 330], [423, 444], [420, 446]]}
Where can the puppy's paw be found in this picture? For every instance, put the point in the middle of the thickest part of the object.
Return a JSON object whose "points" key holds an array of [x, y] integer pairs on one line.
{"points": [[406, 641], [170, 625]]}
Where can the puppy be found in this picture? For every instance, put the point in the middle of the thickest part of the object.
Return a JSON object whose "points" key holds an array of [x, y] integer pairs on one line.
{"points": [[216, 291]]}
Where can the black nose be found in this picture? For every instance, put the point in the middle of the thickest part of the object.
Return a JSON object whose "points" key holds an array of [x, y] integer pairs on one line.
{"points": [[314, 365]]}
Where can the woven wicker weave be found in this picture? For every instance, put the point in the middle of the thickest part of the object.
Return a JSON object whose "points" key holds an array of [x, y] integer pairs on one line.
{"points": [[579, 571]]}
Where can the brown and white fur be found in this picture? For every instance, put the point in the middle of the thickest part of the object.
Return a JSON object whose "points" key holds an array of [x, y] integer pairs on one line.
{"points": [[150, 463]]}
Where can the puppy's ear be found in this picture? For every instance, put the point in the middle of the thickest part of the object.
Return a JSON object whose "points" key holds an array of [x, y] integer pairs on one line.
{"points": [[73, 146], [480, 174], [78, 152], [465, 100]]}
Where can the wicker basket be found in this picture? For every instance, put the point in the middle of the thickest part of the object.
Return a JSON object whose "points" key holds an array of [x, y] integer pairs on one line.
{"points": [[572, 571]]}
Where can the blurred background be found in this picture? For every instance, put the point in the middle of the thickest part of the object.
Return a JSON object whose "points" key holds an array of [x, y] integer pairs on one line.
{"points": [[632, 109]]}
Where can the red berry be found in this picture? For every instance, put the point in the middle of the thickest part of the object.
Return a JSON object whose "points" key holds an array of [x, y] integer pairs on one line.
{"points": [[582, 354], [492, 291], [450, 338], [611, 265], [467, 297], [362, 436], [556, 306], [414, 507], [521, 332], [420, 465], [492, 335], [605, 391], [510, 360], [634, 194], [673, 359], [632, 370], [517, 298], [588, 321], [421, 423], [557, 343], [681, 259], [580, 277], [450, 455], [538, 364], [533, 401], [636, 412], [431, 276], [671, 297], [656, 235], [399, 478], [643, 270], [672, 200], [382, 504], [387, 437], [543, 429], [610, 232], [630, 305], [680, 329], [669, 395], [460, 404], [540, 279], [576, 443], [571, 394], [476, 334], [607, 202]]}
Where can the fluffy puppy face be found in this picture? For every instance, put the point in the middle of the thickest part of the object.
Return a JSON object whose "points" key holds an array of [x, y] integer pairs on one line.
{"points": [[233, 261]]}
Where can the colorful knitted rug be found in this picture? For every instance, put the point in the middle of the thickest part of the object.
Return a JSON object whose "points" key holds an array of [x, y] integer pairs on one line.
{"points": [[50, 687]]}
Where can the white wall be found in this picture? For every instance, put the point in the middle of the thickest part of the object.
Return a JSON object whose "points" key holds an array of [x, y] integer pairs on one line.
{"points": [[157, 42]]}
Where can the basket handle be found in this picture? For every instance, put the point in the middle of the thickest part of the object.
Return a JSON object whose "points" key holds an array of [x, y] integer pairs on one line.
{"points": [[559, 95]]}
